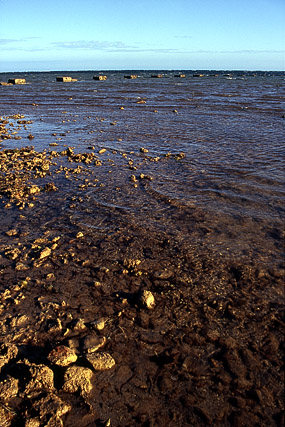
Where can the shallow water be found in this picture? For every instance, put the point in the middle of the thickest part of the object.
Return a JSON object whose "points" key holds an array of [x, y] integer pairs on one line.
{"points": [[226, 193]]}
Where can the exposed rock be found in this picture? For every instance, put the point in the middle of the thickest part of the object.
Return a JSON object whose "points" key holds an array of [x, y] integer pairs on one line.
{"points": [[78, 325], [146, 299], [93, 343], [7, 352], [52, 404], [100, 77], [65, 79], [77, 378], [41, 379], [98, 324], [33, 422], [6, 416], [62, 356], [9, 388], [45, 253], [143, 150], [17, 81], [101, 361]]}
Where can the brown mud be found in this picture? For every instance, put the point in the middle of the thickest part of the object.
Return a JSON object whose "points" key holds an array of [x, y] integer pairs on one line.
{"points": [[82, 343]]}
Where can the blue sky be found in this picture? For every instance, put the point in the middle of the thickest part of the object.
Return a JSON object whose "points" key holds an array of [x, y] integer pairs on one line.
{"points": [[38, 35]]}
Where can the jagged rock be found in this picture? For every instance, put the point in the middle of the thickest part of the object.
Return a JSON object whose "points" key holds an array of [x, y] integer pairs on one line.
{"points": [[33, 422], [51, 405], [78, 325], [6, 416], [100, 361], [7, 352], [41, 379], [9, 388], [77, 378], [62, 356]]}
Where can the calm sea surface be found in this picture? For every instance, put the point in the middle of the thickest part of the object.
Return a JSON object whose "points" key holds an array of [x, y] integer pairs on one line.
{"points": [[226, 194]]}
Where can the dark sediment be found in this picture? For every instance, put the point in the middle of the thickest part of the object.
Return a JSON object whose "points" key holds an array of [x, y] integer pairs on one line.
{"points": [[81, 343]]}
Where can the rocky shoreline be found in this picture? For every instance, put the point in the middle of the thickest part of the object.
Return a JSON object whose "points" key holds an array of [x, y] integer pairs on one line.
{"points": [[126, 329]]}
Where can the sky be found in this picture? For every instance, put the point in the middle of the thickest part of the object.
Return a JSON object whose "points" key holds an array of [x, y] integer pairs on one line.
{"points": [[49, 35]]}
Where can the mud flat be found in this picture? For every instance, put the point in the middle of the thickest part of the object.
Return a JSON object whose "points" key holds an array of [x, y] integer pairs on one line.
{"points": [[130, 327]]}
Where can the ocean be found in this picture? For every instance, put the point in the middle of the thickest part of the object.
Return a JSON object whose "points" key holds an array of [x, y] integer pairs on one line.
{"points": [[228, 125]]}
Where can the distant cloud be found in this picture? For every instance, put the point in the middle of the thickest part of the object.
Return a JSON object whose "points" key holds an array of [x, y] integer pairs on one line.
{"points": [[27, 45], [7, 41], [91, 45], [108, 46], [183, 37], [18, 44]]}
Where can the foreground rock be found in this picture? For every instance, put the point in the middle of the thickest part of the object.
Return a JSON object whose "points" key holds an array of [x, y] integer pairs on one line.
{"points": [[62, 356], [77, 378], [101, 361]]}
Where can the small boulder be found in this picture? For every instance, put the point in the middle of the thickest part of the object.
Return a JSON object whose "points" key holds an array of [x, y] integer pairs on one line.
{"points": [[9, 388], [77, 378], [7, 352], [41, 379], [62, 356]]}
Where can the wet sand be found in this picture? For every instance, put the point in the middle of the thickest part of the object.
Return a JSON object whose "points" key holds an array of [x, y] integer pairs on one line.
{"points": [[206, 350]]}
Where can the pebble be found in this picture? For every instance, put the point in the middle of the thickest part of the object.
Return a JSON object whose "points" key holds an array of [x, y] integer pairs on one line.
{"points": [[62, 356], [45, 253], [101, 361], [93, 343], [98, 324], [146, 298], [78, 325]]}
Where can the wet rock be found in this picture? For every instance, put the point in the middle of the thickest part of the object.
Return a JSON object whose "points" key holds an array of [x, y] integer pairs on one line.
{"points": [[7, 353], [146, 299], [17, 81], [101, 361], [93, 343], [62, 356], [50, 187], [77, 378], [65, 79], [100, 77]]}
